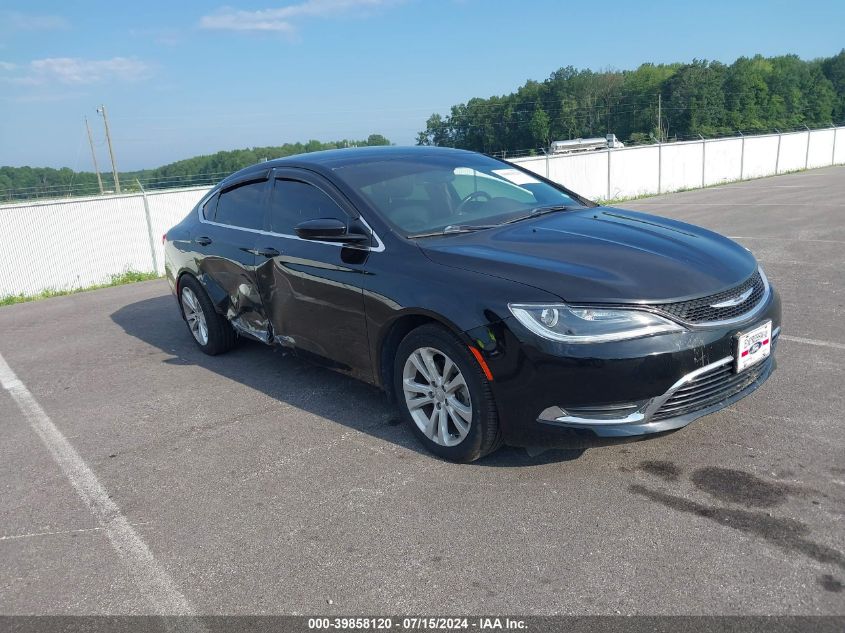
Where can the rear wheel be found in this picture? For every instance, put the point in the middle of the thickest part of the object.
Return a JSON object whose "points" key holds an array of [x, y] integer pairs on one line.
{"points": [[445, 396], [211, 331]]}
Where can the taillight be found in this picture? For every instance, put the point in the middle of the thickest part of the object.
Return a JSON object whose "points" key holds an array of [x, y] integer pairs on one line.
{"points": [[163, 239]]}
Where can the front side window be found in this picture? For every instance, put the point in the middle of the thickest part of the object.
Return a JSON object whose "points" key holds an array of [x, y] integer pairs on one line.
{"points": [[242, 206], [429, 193], [295, 201]]}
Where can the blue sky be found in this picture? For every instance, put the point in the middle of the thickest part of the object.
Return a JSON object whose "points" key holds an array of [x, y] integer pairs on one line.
{"points": [[187, 78]]}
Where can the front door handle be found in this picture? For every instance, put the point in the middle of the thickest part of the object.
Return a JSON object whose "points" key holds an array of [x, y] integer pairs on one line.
{"points": [[203, 241], [267, 252]]}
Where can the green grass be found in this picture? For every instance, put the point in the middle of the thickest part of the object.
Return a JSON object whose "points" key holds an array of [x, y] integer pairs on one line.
{"points": [[129, 277]]}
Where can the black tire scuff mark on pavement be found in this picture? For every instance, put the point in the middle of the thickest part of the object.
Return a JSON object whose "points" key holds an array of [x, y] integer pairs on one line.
{"points": [[829, 583], [666, 470], [736, 486], [787, 534]]}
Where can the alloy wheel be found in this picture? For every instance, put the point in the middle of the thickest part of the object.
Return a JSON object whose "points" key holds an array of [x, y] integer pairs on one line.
{"points": [[437, 396], [194, 316]]}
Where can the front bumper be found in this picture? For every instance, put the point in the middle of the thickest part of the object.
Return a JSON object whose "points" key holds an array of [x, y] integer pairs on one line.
{"points": [[697, 394], [547, 391]]}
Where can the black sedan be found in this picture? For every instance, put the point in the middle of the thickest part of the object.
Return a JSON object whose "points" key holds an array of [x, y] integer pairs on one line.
{"points": [[493, 305]]}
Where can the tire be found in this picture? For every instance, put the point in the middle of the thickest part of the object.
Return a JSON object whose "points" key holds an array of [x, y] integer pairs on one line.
{"points": [[471, 426], [212, 333]]}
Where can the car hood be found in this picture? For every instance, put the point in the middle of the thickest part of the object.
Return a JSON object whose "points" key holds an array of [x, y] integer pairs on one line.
{"points": [[601, 255]]}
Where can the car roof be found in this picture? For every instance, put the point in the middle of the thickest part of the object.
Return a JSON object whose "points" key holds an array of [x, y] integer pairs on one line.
{"points": [[334, 158]]}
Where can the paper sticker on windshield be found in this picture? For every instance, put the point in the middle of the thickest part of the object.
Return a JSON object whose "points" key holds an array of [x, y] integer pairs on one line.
{"points": [[515, 176]]}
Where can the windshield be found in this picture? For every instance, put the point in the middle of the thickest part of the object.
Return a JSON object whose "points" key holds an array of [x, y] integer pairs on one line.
{"points": [[431, 193]]}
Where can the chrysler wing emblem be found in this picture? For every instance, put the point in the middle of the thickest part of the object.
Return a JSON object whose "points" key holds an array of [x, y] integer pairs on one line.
{"points": [[734, 301]]}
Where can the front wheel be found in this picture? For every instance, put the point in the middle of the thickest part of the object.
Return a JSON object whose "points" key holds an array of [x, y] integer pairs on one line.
{"points": [[445, 396]]}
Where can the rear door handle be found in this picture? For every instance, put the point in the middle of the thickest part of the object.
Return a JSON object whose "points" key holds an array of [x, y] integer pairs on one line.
{"points": [[203, 241], [267, 252]]}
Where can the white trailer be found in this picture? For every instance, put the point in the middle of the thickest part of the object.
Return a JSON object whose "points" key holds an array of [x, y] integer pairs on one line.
{"points": [[585, 145]]}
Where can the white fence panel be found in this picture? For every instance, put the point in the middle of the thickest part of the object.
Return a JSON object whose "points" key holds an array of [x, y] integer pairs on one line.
{"points": [[793, 151], [76, 243], [71, 244], [724, 161], [761, 154], [634, 171], [821, 148], [537, 164], [838, 150], [681, 166], [584, 173]]}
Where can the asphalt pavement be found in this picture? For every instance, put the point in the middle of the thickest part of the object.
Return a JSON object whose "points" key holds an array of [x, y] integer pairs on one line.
{"points": [[140, 476]]}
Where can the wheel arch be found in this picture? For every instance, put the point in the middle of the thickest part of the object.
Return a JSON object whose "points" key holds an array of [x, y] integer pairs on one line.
{"points": [[219, 297], [392, 334]]}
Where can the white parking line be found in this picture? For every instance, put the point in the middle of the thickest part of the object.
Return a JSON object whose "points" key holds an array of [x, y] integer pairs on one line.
{"points": [[812, 341], [148, 577]]}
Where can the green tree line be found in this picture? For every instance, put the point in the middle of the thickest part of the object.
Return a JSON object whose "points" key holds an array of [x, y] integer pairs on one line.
{"points": [[20, 183], [707, 98]]}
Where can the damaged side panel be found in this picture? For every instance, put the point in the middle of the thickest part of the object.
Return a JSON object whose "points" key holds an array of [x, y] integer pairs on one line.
{"points": [[226, 268]]}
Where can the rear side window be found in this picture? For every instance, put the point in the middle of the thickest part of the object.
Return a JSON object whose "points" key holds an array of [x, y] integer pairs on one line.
{"points": [[295, 201], [242, 206], [209, 208]]}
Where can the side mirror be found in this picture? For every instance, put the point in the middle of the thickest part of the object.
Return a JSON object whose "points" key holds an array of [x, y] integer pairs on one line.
{"points": [[328, 230]]}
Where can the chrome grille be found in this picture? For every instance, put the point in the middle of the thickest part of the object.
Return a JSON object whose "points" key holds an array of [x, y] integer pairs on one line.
{"points": [[709, 389], [702, 311]]}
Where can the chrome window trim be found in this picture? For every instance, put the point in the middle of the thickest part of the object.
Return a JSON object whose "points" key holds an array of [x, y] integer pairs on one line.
{"points": [[374, 249]]}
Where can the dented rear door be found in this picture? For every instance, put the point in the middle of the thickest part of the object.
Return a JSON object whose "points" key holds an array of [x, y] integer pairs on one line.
{"points": [[226, 241]]}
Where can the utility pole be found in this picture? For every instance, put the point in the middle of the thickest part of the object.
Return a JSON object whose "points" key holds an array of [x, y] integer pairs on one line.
{"points": [[102, 110], [94, 156], [659, 118]]}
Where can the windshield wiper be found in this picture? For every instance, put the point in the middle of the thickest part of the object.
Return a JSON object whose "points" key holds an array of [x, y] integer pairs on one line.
{"points": [[538, 211], [469, 228], [454, 229]]}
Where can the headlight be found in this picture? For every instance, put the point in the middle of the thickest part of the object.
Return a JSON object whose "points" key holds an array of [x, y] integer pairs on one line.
{"points": [[560, 322]]}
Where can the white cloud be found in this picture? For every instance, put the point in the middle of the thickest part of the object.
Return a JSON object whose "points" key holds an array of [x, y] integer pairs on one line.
{"points": [[75, 71], [17, 21], [282, 20]]}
